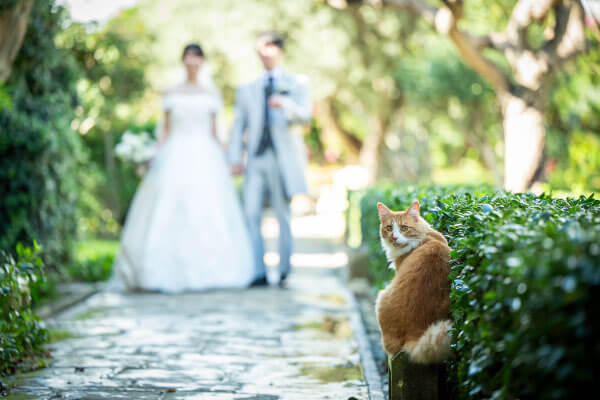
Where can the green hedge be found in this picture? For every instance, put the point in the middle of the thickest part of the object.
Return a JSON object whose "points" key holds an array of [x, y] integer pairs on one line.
{"points": [[21, 334], [525, 293]]}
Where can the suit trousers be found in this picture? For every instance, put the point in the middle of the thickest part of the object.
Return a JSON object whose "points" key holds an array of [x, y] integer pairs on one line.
{"points": [[263, 178]]}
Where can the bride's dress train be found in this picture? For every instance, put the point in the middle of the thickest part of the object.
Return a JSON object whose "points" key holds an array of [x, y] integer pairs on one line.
{"points": [[185, 229]]}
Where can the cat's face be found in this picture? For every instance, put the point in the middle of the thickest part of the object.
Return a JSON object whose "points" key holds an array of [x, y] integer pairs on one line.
{"points": [[401, 231]]}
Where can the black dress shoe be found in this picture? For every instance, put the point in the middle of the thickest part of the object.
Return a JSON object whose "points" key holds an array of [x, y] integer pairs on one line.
{"points": [[282, 280], [260, 282]]}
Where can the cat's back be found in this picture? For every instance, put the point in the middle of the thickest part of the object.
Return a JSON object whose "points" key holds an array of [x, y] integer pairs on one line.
{"points": [[436, 236], [422, 280], [434, 247], [433, 252]]}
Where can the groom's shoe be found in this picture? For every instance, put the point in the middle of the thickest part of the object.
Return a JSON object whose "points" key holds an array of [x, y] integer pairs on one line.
{"points": [[283, 280], [260, 282]]}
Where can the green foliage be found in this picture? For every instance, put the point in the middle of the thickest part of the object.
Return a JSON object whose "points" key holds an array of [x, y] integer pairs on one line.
{"points": [[525, 287], [39, 153], [579, 168], [21, 333], [93, 260], [8, 4], [574, 125], [451, 103], [112, 59], [313, 142], [5, 100]]}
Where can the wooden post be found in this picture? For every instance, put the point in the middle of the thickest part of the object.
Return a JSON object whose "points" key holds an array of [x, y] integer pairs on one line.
{"points": [[410, 381]]}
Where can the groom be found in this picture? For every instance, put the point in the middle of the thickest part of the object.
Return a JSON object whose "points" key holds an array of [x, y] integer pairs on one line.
{"points": [[265, 110]]}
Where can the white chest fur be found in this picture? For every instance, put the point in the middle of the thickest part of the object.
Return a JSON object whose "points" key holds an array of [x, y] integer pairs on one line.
{"points": [[403, 245]]}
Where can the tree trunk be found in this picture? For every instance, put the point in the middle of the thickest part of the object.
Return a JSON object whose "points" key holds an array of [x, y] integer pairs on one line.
{"points": [[532, 70], [13, 25], [524, 138]]}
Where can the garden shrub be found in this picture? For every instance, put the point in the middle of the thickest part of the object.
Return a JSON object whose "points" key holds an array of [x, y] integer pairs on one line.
{"points": [[21, 333], [94, 260], [525, 279], [40, 154], [113, 90]]}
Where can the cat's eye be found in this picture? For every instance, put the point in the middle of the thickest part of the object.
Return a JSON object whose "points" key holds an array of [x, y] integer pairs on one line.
{"points": [[389, 228], [403, 228]]}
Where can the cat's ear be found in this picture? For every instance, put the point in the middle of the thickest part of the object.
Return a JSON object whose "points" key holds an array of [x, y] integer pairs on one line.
{"points": [[383, 210], [413, 210]]}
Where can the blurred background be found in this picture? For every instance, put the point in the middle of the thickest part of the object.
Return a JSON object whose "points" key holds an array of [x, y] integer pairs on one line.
{"points": [[393, 101], [444, 101]]}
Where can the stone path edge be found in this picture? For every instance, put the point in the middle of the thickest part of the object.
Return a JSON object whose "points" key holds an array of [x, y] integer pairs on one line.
{"points": [[62, 304], [372, 376]]}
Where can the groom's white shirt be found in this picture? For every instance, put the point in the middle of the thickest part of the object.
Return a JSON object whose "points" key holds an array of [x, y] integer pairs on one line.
{"points": [[275, 73], [247, 129]]}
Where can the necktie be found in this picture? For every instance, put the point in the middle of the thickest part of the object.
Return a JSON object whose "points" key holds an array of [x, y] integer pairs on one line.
{"points": [[265, 140]]}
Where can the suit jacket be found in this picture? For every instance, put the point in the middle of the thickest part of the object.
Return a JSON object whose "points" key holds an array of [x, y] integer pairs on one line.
{"points": [[247, 128]]}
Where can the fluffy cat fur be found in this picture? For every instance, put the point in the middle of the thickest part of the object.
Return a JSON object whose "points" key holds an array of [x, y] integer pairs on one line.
{"points": [[413, 309]]}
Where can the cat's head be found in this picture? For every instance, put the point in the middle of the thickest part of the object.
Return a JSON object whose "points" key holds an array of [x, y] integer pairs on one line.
{"points": [[401, 231]]}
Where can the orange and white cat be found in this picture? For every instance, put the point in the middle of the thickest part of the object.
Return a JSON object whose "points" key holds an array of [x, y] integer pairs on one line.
{"points": [[413, 309]]}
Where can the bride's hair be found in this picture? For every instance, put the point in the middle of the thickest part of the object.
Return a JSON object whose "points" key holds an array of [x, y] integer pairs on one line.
{"points": [[194, 49], [205, 78]]}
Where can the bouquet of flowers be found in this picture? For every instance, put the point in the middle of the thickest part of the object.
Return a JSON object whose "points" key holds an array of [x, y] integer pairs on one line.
{"points": [[136, 148]]}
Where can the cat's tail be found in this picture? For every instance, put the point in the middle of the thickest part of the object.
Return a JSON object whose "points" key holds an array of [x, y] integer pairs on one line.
{"points": [[433, 346]]}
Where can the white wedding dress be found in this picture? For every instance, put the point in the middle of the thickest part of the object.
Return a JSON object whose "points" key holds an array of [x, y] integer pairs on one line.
{"points": [[185, 229]]}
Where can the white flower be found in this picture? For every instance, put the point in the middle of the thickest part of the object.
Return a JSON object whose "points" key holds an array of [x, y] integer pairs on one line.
{"points": [[137, 148]]}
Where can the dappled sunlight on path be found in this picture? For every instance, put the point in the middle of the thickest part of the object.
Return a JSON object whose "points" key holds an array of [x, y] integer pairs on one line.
{"points": [[268, 343], [318, 241]]}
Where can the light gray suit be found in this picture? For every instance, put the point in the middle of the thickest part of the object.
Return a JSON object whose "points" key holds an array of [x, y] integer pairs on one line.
{"points": [[279, 171]]}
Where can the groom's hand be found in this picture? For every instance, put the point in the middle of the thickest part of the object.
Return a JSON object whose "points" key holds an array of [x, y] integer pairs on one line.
{"points": [[237, 169], [275, 101]]}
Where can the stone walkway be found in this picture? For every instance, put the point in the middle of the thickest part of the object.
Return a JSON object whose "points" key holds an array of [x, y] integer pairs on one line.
{"points": [[271, 343]]}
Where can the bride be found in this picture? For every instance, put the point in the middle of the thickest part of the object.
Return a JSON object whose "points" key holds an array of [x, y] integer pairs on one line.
{"points": [[185, 229]]}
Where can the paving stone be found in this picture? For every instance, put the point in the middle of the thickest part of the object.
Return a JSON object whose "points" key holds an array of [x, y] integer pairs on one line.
{"points": [[269, 343], [295, 343]]}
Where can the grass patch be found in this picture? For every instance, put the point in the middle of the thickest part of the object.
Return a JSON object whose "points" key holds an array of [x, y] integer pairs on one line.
{"points": [[94, 260], [333, 298], [91, 313], [340, 328], [94, 248], [317, 325], [58, 335], [340, 373], [20, 396]]}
